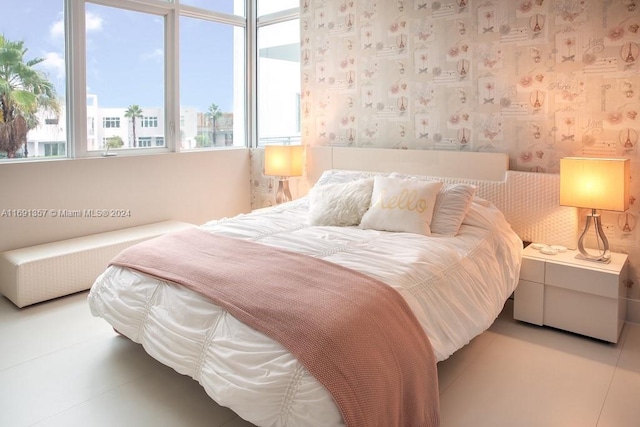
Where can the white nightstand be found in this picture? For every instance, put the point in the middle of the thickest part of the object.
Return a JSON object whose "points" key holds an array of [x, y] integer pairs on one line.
{"points": [[575, 295]]}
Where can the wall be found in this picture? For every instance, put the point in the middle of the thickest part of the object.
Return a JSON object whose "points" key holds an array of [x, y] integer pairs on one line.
{"points": [[192, 187], [537, 79]]}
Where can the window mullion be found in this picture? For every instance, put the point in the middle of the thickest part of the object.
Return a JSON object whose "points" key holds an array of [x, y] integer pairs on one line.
{"points": [[252, 73], [76, 87], [172, 77]]}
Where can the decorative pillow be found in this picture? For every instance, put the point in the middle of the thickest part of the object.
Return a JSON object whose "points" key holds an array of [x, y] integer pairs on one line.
{"points": [[338, 176], [484, 214], [340, 204], [452, 205], [401, 205]]}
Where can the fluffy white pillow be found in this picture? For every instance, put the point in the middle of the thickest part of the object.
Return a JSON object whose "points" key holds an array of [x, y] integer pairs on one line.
{"points": [[401, 205], [341, 204], [338, 176], [452, 205]]}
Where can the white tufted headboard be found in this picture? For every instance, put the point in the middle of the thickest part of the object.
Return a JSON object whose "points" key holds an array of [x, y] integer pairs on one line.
{"points": [[529, 201]]}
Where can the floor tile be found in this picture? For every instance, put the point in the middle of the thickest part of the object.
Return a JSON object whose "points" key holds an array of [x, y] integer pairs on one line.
{"points": [[532, 376], [50, 384], [43, 328], [621, 408], [160, 398]]}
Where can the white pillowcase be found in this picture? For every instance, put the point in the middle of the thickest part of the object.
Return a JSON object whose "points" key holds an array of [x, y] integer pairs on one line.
{"points": [[338, 176], [452, 205], [401, 205], [341, 204]]}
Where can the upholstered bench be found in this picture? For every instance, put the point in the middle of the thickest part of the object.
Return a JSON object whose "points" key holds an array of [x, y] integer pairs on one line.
{"points": [[42, 272]]}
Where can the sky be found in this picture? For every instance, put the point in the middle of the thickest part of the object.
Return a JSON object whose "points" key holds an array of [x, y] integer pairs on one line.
{"points": [[125, 53]]}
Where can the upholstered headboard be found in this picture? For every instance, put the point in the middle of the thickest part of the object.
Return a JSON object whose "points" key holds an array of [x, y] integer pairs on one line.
{"points": [[529, 201]]}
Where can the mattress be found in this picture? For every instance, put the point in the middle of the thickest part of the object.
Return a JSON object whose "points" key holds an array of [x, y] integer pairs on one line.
{"points": [[455, 286]]}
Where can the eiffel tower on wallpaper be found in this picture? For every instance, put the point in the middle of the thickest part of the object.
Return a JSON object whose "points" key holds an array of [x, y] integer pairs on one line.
{"points": [[629, 57]]}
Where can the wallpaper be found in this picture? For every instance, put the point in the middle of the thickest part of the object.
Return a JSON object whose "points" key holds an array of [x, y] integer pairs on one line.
{"points": [[537, 79]]}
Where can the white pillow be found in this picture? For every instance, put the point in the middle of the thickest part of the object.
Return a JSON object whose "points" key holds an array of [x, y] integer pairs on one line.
{"points": [[484, 214], [452, 205], [338, 176], [401, 205], [340, 204]]}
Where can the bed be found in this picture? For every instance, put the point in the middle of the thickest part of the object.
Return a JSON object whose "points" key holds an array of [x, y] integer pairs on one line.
{"points": [[455, 278]]}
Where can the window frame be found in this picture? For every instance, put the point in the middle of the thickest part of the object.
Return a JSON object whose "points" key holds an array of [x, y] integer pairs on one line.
{"points": [[170, 10], [266, 21], [75, 46]]}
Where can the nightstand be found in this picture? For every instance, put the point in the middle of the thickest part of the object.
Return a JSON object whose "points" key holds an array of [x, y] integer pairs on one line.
{"points": [[575, 295]]}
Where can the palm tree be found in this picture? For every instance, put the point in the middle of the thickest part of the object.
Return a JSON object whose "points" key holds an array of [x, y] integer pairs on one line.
{"points": [[23, 91], [133, 112], [213, 113]]}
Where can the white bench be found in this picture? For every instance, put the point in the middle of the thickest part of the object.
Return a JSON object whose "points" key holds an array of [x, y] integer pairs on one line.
{"points": [[43, 272]]}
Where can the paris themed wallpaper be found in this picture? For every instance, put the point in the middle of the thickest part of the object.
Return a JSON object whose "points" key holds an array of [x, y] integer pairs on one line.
{"points": [[537, 79]]}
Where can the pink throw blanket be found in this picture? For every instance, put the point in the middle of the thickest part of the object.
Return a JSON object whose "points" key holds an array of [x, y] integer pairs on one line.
{"points": [[355, 335]]}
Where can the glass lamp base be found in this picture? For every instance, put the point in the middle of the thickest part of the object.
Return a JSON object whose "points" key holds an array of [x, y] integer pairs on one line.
{"points": [[604, 256], [283, 194]]}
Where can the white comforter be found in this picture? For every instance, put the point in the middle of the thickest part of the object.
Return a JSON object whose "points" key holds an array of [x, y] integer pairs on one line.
{"points": [[456, 286]]}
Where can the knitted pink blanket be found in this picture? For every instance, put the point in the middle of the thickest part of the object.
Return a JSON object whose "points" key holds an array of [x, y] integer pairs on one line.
{"points": [[355, 335]]}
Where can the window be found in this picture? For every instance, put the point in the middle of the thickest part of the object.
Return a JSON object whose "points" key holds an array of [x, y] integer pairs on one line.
{"points": [[54, 149], [149, 122], [269, 6], [279, 82], [224, 6], [111, 122], [34, 30], [149, 76], [211, 85], [125, 54], [144, 141]]}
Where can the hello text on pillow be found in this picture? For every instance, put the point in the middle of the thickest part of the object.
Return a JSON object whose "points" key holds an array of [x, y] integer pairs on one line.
{"points": [[401, 205]]}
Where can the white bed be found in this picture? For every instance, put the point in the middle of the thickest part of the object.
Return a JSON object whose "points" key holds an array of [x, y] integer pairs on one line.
{"points": [[455, 286]]}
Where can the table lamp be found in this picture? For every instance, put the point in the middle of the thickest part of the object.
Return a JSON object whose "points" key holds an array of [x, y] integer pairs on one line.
{"points": [[283, 161], [595, 183]]}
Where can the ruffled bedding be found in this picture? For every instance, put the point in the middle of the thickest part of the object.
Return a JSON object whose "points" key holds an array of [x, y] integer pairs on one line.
{"points": [[456, 287]]}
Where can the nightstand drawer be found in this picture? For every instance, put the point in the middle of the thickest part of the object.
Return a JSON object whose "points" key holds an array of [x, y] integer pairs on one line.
{"points": [[594, 282], [532, 270], [583, 313]]}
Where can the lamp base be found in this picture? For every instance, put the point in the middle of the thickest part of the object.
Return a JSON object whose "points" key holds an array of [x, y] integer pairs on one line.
{"points": [[283, 194], [601, 259], [604, 256]]}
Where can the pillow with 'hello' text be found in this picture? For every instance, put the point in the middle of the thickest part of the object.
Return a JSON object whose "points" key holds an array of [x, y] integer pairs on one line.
{"points": [[401, 205]]}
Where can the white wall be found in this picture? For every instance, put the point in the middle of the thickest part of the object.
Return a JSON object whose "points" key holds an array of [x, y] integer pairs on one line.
{"points": [[192, 187]]}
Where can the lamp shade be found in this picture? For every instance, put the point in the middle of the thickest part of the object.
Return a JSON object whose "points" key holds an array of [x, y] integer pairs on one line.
{"points": [[595, 183], [283, 160]]}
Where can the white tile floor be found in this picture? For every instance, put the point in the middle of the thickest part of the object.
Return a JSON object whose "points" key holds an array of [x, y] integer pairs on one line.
{"points": [[61, 367]]}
